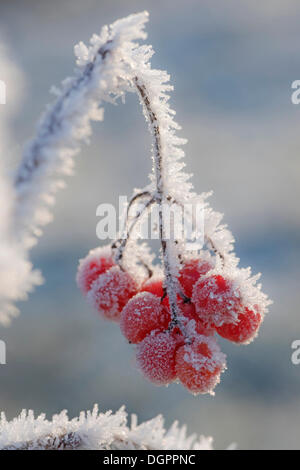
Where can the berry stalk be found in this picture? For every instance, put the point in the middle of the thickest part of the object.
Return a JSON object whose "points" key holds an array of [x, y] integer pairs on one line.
{"points": [[120, 244], [161, 198]]}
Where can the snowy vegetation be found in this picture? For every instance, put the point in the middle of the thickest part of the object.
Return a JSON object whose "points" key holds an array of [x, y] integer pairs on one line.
{"points": [[94, 430]]}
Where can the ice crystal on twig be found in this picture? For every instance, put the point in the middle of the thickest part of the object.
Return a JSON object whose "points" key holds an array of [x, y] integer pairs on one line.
{"points": [[94, 430]]}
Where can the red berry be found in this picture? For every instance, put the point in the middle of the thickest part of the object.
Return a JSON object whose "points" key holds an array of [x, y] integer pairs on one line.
{"points": [[216, 299], [156, 358], [199, 365], [95, 263], [187, 312], [111, 291], [190, 273], [153, 285], [195, 325], [244, 330], [187, 309], [143, 314]]}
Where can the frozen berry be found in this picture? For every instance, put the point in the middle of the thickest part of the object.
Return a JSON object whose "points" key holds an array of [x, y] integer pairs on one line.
{"points": [[199, 365], [216, 299], [143, 314], [156, 358], [190, 273], [97, 262], [195, 325], [111, 291], [186, 309], [244, 330], [153, 285], [187, 312]]}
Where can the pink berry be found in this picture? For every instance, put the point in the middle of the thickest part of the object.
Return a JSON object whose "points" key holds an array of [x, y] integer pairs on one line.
{"points": [[199, 365], [244, 330], [190, 273], [143, 314], [111, 291], [97, 262], [216, 299], [156, 358]]}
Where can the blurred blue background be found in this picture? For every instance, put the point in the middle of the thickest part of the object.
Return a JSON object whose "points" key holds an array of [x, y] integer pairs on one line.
{"points": [[232, 64]]}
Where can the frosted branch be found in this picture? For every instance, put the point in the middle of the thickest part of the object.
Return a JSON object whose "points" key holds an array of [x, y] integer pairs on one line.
{"points": [[161, 198], [94, 430]]}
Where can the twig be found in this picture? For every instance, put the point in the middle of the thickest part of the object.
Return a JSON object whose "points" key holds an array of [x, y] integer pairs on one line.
{"points": [[136, 197], [120, 244]]}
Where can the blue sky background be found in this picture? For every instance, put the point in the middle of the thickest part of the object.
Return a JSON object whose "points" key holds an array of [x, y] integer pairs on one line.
{"points": [[232, 64]]}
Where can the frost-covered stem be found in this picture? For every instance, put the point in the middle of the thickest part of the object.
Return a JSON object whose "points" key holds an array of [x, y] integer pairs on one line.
{"points": [[215, 249], [73, 441], [135, 198], [33, 160], [68, 441], [161, 198], [94, 431]]}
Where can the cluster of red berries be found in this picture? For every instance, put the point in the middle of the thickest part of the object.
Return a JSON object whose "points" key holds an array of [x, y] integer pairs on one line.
{"points": [[169, 349]]}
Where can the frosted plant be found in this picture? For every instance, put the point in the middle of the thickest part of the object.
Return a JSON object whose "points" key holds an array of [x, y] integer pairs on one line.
{"points": [[94, 430], [172, 312]]}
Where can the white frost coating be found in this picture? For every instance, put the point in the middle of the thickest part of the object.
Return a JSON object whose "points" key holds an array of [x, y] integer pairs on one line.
{"points": [[94, 430]]}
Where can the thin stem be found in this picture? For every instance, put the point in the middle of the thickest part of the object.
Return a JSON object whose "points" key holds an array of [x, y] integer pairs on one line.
{"points": [[215, 249], [135, 198], [120, 244], [171, 283]]}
